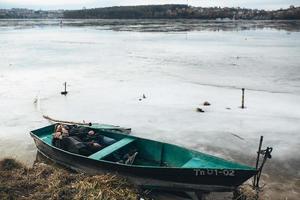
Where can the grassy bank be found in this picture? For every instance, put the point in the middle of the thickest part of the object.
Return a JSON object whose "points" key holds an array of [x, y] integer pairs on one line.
{"points": [[44, 181], [47, 181]]}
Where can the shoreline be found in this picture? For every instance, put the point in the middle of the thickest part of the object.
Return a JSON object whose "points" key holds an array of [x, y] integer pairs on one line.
{"points": [[156, 25], [47, 180]]}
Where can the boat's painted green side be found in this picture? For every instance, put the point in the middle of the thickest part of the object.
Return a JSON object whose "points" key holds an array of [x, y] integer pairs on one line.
{"points": [[155, 160]]}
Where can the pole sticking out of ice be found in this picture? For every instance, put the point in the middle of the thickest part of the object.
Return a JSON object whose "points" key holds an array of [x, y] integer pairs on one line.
{"points": [[257, 160], [64, 92], [266, 154], [243, 98]]}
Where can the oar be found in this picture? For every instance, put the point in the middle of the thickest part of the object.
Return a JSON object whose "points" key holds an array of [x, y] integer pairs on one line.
{"points": [[66, 122], [123, 130]]}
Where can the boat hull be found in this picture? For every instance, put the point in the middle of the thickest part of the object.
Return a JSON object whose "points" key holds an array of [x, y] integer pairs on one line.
{"points": [[179, 179]]}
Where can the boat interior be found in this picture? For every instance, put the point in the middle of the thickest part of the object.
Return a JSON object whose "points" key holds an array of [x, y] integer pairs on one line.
{"points": [[126, 149]]}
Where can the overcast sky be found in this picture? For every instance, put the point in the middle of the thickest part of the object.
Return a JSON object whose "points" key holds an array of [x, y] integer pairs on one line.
{"points": [[78, 4]]}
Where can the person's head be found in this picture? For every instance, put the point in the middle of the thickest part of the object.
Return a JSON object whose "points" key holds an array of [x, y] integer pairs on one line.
{"points": [[58, 128], [61, 128], [57, 135], [91, 132]]}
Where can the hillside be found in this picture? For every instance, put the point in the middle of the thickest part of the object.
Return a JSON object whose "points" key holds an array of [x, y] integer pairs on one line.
{"points": [[176, 11]]}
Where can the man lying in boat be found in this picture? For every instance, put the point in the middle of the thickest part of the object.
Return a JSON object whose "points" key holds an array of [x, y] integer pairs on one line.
{"points": [[80, 140]]}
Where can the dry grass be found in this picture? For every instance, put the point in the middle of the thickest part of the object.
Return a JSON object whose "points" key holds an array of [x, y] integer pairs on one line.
{"points": [[44, 181], [245, 192], [47, 182]]}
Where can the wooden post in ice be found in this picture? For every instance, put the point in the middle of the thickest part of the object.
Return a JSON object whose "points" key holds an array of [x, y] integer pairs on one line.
{"points": [[64, 92], [243, 98]]}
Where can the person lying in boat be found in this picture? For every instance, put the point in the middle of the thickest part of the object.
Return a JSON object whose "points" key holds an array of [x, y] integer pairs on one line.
{"points": [[77, 140], [65, 139], [87, 135], [93, 136], [59, 133], [81, 133], [73, 145]]}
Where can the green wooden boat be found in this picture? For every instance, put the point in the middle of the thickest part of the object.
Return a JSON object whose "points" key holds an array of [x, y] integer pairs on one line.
{"points": [[155, 164]]}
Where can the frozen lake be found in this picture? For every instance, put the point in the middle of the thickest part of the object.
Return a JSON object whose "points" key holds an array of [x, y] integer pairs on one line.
{"points": [[178, 65]]}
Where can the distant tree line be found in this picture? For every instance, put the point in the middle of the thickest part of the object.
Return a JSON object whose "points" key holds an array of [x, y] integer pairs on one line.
{"points": [[126, 12], [175, 11], [23, 13], [172, 11]]}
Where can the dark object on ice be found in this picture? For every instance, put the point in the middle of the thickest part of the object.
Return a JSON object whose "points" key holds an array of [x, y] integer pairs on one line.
{"points": [[235, 135], [156, 164], [206, 103], [200, 110], [64, 92], [143, 97], [228, 108]]}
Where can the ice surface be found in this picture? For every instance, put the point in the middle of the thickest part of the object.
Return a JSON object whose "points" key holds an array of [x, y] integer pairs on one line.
{"points": [[107, 72]]}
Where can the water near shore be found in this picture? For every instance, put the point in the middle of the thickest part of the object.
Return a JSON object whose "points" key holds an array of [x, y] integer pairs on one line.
{"points": [[178, 65]]}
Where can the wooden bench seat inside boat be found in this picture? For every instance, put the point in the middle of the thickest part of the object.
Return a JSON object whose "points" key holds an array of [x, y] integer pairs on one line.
{"points": [[198, 162], [110, 149], [194, 163]]}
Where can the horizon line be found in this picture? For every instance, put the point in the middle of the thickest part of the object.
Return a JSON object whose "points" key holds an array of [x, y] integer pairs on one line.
{"points": [[84, 7]]}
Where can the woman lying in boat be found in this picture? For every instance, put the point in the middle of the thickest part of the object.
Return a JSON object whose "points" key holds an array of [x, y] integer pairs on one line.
{"points": [[80, 140]]}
